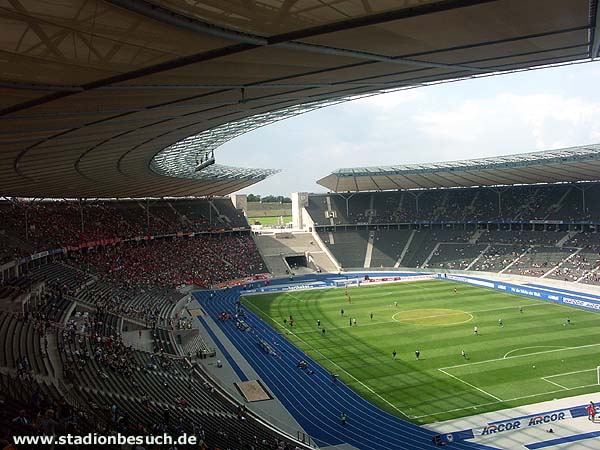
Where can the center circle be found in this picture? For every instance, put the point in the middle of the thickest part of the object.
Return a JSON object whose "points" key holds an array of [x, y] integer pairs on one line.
{"points": [[432, 316]]}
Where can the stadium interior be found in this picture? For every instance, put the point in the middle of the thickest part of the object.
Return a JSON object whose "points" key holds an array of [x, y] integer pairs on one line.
{"points": [[123, 255]]}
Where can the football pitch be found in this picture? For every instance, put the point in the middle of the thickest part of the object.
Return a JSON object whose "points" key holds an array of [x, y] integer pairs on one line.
{"points": [[534, 355], [271, 220]]}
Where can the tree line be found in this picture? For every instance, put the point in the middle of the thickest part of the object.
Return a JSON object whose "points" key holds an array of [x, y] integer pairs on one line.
{"points": [[268, 199]]}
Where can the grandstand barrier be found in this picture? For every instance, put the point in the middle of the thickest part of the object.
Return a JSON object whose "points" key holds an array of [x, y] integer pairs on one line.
{"points": [[247, 280], [519, 423], [356, 281], [384, 279], [556, 295], [288, 287], [39, 255], [149, 237]]}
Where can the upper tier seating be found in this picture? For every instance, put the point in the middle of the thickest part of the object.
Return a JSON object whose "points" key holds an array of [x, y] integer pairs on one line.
{"points": [[29, 227], [558, 202]]}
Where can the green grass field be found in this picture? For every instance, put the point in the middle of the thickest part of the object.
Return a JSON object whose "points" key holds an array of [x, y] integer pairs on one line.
{"points": [[534, 357], [270, 220]]}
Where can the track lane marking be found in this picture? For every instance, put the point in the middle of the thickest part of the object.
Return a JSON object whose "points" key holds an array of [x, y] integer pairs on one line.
{"points": [[336, 365]]}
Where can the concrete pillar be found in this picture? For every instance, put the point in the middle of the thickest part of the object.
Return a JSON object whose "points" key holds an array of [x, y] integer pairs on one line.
{"points": [[299, 203], [240, 201]]}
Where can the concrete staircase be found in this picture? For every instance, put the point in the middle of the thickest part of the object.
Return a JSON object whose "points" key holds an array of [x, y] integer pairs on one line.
{"points": [[274, 250]]}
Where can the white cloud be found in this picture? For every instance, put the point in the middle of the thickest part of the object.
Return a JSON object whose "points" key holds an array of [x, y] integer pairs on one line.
{"points": [[507, 123], [389, 101], [487, 117]]}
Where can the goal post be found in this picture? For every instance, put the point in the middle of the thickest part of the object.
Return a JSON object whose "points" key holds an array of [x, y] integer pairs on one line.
{"points": [[598, 373]]}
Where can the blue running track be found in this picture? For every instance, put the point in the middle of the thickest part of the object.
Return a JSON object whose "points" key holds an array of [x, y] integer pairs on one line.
{"points": [[314, 401]]}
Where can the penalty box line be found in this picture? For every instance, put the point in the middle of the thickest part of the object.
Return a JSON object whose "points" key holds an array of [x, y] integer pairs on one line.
{"points": [[564, 374], [520, 356], [479, 405], [555, 384], [471, 385], [498, 400]]}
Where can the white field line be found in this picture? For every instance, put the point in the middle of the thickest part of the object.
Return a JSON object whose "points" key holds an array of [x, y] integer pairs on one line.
{"points": [[570, 373], [522, 356], [437, 315], [384, 322], [470, 385], [502, 401], [562, 388], [443, 369], [535, 346], [555, 384], [339, 367], [294, 297], [563, 374]]}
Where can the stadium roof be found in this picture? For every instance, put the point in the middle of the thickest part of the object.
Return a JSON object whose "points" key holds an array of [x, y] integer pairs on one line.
{"points": [[552, 166], [97, 95]]}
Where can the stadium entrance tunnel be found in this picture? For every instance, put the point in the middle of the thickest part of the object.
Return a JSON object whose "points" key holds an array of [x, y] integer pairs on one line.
{"points": [[297, 261], [432, 316]]}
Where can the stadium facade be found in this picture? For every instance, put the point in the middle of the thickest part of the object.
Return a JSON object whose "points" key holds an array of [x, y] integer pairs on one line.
{"points": [[101, 99], [129, 99]]}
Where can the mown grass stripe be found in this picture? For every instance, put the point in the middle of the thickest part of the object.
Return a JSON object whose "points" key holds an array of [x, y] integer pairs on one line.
{"points": [[363, 354]]}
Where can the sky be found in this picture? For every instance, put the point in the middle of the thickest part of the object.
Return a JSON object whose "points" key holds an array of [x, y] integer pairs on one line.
{"points": [[506, 114]]}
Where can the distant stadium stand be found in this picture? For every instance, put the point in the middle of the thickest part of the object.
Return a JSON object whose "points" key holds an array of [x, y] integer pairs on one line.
{"points": [[541, 230], [388, 246], [509, 204], [348, 247], [454, 256]]}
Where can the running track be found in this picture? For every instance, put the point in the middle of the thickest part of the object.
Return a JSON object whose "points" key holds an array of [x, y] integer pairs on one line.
{"points": [[314, 401]]}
